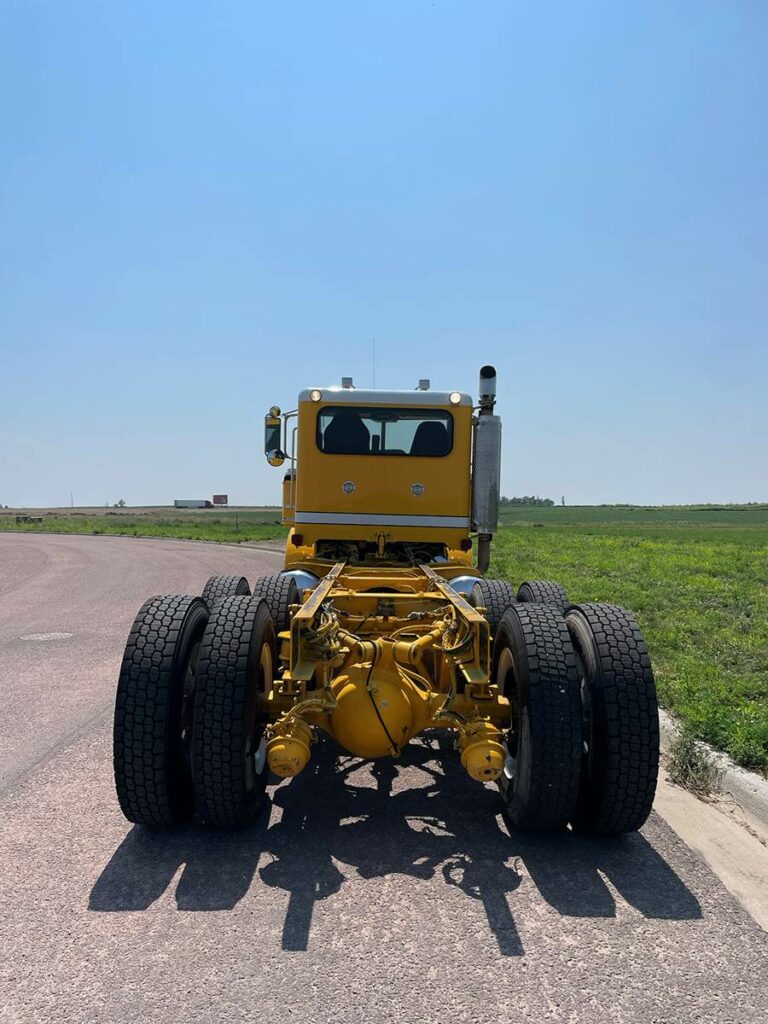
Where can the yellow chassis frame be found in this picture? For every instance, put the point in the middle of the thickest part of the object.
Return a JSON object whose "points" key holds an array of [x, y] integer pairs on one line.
{"points": [[368, 640]]}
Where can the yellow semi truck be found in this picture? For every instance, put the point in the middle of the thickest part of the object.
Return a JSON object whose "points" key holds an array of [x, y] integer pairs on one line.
{"points": [[382, 625]]}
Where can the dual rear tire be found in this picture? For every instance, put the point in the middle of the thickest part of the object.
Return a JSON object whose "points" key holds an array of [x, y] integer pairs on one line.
{"points": [[620, 760], [188, 730], [279, 591], [584, 737], [496, 596]]}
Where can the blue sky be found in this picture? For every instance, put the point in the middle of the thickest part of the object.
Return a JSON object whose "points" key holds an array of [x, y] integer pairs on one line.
{"points": [[206, 206]]}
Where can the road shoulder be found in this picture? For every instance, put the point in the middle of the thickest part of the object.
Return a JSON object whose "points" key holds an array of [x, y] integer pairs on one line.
{"points": [[729, 832]]}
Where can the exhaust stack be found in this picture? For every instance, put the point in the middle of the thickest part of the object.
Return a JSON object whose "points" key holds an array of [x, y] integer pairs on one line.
{"points": [[486, 468], [487, 389]]}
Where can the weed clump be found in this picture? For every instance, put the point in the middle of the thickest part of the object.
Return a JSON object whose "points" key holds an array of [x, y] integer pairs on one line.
{"points": [[691, 765]]}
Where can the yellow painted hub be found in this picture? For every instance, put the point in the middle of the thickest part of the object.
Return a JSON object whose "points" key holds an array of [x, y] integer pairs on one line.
{"points": [[288, 747], [482, 753]]}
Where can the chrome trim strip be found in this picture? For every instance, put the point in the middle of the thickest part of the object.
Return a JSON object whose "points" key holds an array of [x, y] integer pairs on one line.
{"points": [[361, 519]]}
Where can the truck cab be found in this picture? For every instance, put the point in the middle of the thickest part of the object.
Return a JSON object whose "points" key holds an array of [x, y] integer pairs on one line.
{"points": [[384, 476]]}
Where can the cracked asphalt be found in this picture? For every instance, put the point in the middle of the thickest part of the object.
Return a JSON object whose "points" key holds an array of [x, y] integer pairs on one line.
{"points": [[365, 892]]}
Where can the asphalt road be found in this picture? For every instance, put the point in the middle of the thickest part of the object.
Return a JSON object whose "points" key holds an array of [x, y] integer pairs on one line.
{"points": [[370, 894]]}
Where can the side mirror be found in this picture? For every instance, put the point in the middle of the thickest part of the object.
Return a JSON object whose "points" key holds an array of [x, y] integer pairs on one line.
{"points": [[272, 430]]}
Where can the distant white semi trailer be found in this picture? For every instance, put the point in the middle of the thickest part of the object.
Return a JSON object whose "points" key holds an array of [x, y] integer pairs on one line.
{"points": [[192, 503]]}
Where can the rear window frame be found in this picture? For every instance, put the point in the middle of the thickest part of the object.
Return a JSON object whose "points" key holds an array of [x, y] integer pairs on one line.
{"points": [[437, 414]]}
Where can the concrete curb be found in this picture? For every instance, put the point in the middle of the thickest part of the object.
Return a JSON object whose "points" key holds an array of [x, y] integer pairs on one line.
{"points": [[748, 790]]}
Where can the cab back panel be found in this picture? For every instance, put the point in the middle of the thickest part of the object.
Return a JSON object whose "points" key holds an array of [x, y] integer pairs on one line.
{"points": [[384, 489]]}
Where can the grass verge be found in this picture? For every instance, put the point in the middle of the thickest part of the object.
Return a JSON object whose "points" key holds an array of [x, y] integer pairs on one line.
{"points": [[211, 524]]}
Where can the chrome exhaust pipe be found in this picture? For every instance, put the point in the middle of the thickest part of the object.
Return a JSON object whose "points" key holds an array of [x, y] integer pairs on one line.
{"points": [[486, 468]]}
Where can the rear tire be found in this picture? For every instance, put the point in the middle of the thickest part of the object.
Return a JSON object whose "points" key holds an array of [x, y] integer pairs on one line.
{"points": [[280, 592], [534, 666], [236, 665], [220, 587], [621, 720], [153, 711], [543, 592], [495, 596]]}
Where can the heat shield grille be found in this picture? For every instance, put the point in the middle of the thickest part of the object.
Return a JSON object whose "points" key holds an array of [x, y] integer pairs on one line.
{"points": [[486, 474]]}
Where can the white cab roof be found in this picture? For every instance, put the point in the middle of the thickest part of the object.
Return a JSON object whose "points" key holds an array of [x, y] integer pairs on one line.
{"points": [[356, 396]]}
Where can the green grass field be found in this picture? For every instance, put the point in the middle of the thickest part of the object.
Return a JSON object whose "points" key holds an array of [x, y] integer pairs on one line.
{"points": [[695, 576], [222, 525], [697, 580]]}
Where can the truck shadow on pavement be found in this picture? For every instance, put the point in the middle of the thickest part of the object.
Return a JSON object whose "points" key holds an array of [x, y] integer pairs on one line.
{"points": [[435, 825]]}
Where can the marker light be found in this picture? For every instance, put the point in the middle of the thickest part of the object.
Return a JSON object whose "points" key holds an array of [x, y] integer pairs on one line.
{"points": [[274, 412], [315, 395], [455, 397]]}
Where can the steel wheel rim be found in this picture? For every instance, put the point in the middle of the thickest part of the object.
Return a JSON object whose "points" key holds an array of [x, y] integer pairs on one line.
{"points": [[506, 679], [256, 745]]}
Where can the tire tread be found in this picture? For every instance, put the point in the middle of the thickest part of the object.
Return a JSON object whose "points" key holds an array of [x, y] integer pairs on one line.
{"points": [[218, 588], [629, 746], [555, 715], [497, 596], [148, 787], [223, 681], [280, 592], [543, 592]]}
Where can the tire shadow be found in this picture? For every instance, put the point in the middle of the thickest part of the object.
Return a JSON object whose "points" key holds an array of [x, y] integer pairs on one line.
{"points": [[218, 868], [438, 827]]}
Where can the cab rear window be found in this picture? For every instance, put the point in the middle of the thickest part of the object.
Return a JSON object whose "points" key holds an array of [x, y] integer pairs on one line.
{"points": [[360, 430]]}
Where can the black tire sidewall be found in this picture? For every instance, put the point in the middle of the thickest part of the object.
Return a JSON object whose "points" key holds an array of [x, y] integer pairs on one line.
{"points": [[262, 631], [510, 636], [178, 766], [594, 720]]}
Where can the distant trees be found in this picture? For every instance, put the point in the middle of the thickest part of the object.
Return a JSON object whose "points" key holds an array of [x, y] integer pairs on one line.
{"points": [[119, 504], [527, 499]]}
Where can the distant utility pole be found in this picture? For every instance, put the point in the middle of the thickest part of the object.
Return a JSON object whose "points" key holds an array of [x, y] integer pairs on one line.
{"points": [[373, 361], [562, 501], [72, 499]]}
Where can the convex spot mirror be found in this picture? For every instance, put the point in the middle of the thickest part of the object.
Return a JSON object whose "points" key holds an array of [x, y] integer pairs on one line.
{"points": [[272, 430]]}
